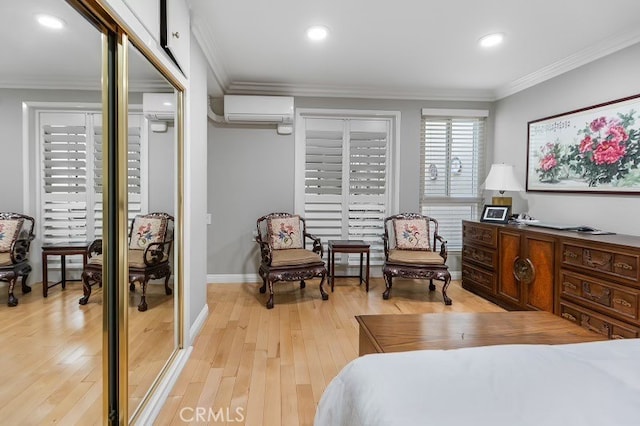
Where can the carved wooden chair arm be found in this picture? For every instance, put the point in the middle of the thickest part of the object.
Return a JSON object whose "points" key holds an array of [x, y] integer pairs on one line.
{"points": [[95, 248], [154, 253], [265, 251], [443, 246], [20, 249], [385, 242], [317, 244]]}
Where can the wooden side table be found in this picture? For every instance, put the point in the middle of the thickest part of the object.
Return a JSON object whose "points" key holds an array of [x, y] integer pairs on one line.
{"points": [[63, 250], [348, 246]]}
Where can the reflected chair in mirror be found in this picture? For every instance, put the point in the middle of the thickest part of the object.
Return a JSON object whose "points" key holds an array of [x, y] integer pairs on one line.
{"points": [[16, 234], [410, 241], [282, 238], [150, 242]]}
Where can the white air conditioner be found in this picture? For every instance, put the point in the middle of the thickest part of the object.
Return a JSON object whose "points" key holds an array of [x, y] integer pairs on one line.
{"points": [[258, 109], [159, 106]]}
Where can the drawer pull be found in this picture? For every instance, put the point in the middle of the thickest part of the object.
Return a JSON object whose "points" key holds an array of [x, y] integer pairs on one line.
{"points": [[523, 270], [622, 302], [590, 262], [568, 316], [586, 323], [617, 336], [570, 254], [623, 265], [570, 285], [603, 299]]}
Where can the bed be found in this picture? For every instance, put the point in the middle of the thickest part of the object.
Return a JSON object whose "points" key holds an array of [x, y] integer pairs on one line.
{"points": [[595, 383]]}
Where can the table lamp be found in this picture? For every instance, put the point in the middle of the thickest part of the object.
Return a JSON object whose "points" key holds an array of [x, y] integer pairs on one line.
{"points": [[502, 178]]}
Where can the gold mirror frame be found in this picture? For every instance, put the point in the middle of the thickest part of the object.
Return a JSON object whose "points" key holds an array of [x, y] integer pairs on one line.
{"points": [[116, 39]]}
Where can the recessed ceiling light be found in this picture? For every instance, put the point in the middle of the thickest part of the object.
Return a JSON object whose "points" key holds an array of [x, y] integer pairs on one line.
{"points": [[50, 22], [491, 40], [317, 33]]}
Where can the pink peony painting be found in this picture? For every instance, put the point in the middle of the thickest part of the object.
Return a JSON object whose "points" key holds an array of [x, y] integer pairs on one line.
{"points": [[595, 149]]}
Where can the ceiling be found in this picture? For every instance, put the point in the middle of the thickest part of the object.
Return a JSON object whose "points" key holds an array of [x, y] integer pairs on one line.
{"points": [[405, 49], [409, 49]]}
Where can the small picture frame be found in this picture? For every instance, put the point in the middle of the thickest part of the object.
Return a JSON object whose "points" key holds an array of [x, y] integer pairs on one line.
{"points": [[495, 214]]}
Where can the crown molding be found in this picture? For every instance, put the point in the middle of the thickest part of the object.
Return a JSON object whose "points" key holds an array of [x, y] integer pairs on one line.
{"points": [[257, 88], [583, 57], [206, 40], [141, 85]]}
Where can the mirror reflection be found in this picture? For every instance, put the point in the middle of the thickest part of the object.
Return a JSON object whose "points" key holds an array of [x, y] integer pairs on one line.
{"points": [[152, 148], [50, 116]]}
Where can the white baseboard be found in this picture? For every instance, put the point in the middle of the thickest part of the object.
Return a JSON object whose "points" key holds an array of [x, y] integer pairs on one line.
{"points": [[233, 278], [255, 278], [198, 323], [156, 401]]}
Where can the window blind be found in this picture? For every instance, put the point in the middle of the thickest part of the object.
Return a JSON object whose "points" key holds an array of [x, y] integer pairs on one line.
{"points": [[451, 159], [71, 176], [346, 180]]}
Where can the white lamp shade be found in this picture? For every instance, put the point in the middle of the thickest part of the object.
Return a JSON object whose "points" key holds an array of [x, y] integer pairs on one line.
{"points": [[502, 178]]}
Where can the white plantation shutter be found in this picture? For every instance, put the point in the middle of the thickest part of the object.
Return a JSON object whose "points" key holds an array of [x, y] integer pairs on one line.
{"points": [[452, 148], [64, 178], [346, 180], [71, 176], [136, 165]]}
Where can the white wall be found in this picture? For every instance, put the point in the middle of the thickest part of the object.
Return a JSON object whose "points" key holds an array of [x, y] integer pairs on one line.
{"points": [[610, 78], [251, 173], [195, 196]]}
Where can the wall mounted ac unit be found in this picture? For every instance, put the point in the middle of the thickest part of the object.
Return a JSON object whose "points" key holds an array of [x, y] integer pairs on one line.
{"points": [[258, 109], [159, 106]]}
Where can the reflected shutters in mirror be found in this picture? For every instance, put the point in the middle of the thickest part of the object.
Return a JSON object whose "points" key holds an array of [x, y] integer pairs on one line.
{"points": [[71, 176]]}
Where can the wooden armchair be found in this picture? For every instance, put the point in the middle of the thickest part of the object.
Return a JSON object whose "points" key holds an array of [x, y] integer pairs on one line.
{"points": [[16, 234], [281, 237], [410, 253], [150, 241]]}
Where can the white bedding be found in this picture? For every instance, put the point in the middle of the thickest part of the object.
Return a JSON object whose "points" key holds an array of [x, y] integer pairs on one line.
{"points": [[578, 384]]}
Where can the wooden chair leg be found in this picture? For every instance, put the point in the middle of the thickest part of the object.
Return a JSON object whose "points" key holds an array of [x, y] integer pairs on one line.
{"points": [[25, 287], [12, 301], [270, 301], [447, 281], [167, 289], [142, 306], [324, 294], [86, 289], [388, 283]]}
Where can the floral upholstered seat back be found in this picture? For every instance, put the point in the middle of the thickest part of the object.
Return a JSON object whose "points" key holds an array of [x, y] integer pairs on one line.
{"points": [[9, 231], [147, 230], [285, 232], [411, 234]]}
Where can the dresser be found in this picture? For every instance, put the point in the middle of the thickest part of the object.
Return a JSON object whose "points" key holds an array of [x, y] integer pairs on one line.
{"points": [[591, 280]]}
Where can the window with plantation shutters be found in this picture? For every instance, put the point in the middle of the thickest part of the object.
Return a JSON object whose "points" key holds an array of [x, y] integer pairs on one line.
{"points": [[452, 147], [346, 179], [71, 175]]}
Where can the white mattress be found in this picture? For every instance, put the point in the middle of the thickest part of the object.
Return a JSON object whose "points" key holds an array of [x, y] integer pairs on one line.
{"points": [[578, 384]]}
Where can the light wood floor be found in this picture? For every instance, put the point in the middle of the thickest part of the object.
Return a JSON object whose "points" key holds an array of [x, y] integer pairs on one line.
{"points": [[51, 354], [270, 367]]}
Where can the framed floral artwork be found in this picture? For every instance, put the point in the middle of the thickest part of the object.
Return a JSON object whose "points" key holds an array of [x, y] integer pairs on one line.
{"points": [[594, 149]]}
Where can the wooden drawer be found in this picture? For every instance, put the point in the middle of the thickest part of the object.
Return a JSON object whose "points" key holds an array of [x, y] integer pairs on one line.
{"points": [[610, 262], [478, 276], [593, 321], [480, 255], [597, 294], [480, 234]]}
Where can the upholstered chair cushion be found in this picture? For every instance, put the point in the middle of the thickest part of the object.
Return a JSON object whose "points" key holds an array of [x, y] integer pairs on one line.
{"points": [[415, 257], [285, 233], [294, 257], [147, 230], [412, 234], [136, 259], [5, 259], [9, 229]]}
